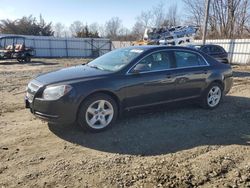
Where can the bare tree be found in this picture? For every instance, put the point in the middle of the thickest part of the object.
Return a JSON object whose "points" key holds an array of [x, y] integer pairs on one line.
{"points": [[145, 18], [94, 27], [243, 18], [76, 27], [101, 30], [155, 17], [143, 21], [228, 18], [59, 30], [195, 11], [158, 15], [112, 27], [138, 30], [172, 16]]}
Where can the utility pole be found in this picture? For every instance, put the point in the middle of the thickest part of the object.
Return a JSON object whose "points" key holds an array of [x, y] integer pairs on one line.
{"points": [[205, 23]]}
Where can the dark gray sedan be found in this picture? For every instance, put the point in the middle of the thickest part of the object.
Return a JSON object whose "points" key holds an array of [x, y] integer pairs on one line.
{"points": [[95, 94]]}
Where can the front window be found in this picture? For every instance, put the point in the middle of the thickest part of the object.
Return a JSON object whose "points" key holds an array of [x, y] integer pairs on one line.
{"points": [[155, 62], [115, 60]]}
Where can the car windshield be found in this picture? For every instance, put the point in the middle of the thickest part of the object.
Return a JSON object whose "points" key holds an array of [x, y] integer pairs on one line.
{"points": [[115, 60], [153, 36]]}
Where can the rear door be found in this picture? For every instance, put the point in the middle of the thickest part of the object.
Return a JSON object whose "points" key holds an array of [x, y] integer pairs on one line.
{"points": [[190, 74]]}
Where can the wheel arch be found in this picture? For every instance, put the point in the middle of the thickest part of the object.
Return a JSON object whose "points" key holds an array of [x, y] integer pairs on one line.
{"points": [[216, 78], [218, 82]]}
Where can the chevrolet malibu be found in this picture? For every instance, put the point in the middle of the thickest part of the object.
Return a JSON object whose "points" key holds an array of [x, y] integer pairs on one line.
{"points": [[95, 94]]}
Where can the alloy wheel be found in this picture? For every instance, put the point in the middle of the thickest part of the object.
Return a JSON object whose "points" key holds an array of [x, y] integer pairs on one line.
{"points": [[99, 114], [214, 96]]}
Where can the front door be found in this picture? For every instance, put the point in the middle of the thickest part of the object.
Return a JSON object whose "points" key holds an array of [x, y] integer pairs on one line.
{"points": [[153, 82]]}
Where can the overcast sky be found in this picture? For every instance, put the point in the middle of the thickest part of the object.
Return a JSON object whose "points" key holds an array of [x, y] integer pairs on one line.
{"points": [[87, 11]]}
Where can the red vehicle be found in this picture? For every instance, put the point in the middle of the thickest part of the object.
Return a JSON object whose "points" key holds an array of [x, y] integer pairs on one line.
{"points": [[13, 47]]}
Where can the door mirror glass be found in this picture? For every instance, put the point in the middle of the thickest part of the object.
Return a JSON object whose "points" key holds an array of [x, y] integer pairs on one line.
{"points": [[140, 68]]}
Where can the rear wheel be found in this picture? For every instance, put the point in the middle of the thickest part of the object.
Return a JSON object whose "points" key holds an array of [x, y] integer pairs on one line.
{"points": [[27, 59], [97, 113], [212, 96]]}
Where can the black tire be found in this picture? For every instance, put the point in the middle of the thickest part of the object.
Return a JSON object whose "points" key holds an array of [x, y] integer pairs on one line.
{"points": [[225, 61], [181, 42], [204, 98], [20, 60], [27, 58], [82, 113]]}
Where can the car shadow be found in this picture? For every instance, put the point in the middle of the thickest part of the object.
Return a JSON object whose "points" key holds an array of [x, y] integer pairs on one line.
{"points": [[32, 63], [167, 129]]}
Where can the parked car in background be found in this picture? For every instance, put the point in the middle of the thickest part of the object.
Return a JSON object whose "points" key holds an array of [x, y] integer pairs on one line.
{"points": [[216, 51], [96, 93], [14, 47]]}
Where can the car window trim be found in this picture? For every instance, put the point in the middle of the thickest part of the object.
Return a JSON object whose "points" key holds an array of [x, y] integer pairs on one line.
{"points": [[130, 73]]}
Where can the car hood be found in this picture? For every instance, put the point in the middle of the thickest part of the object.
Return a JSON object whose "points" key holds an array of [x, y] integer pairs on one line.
{"points": [[70, 74]]}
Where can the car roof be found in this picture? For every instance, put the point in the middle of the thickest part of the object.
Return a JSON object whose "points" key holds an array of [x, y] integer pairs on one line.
{"points": [[157, 47], [10, 37], [201, 45]]}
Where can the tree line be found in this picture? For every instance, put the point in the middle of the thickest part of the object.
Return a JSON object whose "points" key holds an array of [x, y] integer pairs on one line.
{"points": [[227, 19], [27, 26]]}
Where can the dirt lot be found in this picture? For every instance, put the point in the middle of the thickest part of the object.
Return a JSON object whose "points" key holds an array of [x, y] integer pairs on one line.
{"points": [[173, 146]]}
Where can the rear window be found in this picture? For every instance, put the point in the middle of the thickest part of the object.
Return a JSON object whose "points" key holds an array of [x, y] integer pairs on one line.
{"points": [[216, 49], [205, 49]]}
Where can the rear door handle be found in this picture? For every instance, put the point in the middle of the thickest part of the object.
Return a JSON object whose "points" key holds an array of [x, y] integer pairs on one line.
{"points": [[205, 71], [169, 76]]}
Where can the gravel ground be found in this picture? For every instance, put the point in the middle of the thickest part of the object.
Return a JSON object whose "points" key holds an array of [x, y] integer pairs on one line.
{"points": [[175, 145]]}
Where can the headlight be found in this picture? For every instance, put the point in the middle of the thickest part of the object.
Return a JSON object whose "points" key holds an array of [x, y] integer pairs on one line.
{"points": [[55, 92]]}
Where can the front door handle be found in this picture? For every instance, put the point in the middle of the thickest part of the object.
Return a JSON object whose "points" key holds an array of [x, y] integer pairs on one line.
{"points": [[201, 72]]}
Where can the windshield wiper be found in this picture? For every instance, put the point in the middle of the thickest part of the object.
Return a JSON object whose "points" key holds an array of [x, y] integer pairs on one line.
{"points": [[96, 67]]}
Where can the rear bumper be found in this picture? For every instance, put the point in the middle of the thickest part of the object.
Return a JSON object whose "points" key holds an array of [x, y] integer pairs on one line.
{"points": [[228, 84], [223, 60]]}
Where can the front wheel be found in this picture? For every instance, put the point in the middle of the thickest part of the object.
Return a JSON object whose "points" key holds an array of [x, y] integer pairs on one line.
{"points": [[212, 96], [97, 113], [20, 60]]}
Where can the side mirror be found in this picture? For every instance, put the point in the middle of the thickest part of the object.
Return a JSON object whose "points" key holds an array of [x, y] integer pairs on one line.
{"points": [[140, 68], [85, 63]]}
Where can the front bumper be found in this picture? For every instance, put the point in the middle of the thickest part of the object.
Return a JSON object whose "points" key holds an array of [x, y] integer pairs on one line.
{"points": [[61, 111]]}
